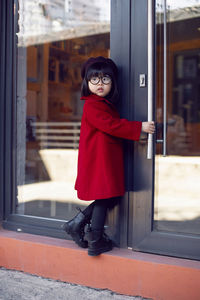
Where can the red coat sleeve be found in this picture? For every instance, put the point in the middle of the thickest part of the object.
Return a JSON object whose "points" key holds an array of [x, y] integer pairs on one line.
{"points": [[100, 115]]}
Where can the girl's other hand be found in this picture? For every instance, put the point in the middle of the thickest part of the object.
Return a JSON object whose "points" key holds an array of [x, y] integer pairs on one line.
{"points": [[148, 127]]}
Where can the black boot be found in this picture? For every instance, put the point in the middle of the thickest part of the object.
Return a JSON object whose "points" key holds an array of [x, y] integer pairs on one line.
{"points": [[75, 227], [98, 242]]}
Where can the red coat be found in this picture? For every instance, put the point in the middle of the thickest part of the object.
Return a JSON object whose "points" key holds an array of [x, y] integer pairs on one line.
{"points": [[100, 159]]}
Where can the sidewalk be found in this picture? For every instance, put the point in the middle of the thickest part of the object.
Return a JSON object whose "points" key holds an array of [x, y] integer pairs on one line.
{"points": [[16, 285]]}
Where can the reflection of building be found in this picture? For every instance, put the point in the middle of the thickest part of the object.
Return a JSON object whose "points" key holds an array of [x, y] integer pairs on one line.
{"points": [[59, 39], [59, 86], [53, 94], [183, 74], [46, 21]]}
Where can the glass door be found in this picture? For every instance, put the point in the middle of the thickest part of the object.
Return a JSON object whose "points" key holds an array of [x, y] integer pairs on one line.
{"points": [[164, 204], [177, 150]]}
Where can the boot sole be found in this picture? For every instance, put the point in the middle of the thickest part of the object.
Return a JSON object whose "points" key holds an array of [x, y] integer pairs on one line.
{"points": [[74, 237], [92, 252]]}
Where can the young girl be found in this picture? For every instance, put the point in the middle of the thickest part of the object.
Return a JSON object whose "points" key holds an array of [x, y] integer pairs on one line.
{"points": [[100, 160]]}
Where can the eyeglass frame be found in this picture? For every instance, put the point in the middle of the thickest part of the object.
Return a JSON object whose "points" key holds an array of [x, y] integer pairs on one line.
{"points": [[100, 78]]}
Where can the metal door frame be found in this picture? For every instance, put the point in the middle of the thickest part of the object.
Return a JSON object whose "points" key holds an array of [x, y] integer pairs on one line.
{"points": [[141, 236]]}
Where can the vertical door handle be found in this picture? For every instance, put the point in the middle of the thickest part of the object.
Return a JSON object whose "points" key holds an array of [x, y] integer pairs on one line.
{"points": [[165, 80], [150, 76]]}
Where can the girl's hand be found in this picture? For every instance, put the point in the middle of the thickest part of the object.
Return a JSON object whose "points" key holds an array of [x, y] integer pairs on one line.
{"points": [[148, 127]]}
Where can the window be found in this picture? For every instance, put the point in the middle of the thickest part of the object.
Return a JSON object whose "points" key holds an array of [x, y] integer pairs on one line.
{"points": [[54, 39], [51, 42]]}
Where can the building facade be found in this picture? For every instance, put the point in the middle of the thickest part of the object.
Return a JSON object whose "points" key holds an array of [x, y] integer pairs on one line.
{"points": [[156, 46]]}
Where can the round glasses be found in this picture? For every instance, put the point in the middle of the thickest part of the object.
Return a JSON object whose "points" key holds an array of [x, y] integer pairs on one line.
{"points": [[104, 79]]}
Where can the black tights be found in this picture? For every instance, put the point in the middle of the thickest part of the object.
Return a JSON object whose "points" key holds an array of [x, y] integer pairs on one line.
{"points": [[97, 211]]}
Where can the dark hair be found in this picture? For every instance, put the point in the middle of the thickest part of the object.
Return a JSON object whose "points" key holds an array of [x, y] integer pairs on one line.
{"points": [[96, 69]]}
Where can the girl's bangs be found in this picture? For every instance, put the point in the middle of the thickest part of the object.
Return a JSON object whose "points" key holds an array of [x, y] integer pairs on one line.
{"points": [[99, 69]]}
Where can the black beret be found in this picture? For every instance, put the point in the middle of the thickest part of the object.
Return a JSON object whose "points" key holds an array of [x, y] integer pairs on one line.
{"points": [[99, 59]]}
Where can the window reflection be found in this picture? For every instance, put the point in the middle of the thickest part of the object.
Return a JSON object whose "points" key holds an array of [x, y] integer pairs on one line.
{"points": [[54, 39], [177, 203]]}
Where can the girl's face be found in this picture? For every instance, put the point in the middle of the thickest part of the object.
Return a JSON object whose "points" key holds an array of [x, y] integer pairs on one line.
{"points": [[100, 85]]}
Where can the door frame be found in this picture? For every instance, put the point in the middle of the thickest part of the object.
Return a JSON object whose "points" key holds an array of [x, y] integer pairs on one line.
{"points": [[141, 235]]}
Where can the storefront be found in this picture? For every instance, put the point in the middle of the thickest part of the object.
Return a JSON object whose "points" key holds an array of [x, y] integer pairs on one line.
{"points": [[156, 46]]}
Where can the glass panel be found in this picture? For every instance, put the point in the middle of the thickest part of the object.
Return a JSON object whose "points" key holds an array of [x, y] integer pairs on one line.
{"points": [[54, 39], [177, 189]]}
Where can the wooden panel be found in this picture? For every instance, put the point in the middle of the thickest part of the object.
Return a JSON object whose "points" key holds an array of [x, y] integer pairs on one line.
{"points": [[33, 86]]}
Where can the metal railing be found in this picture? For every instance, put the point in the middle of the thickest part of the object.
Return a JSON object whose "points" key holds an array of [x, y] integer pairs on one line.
{"points": [[57, 134]]}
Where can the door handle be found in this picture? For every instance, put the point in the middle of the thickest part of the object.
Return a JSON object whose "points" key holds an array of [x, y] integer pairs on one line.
{"points": [[150, 76], [165, 80]]}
